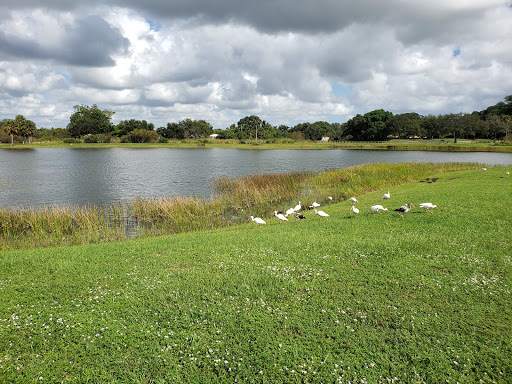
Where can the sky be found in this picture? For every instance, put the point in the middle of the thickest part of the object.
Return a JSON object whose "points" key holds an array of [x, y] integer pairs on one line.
{"points": [[287, 61]]}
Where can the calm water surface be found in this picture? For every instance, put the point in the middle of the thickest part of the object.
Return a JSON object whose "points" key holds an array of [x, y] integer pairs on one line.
{"points": [[72, 176]]}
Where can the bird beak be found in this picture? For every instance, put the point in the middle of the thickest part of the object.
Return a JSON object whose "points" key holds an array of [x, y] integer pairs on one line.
{"points": [[412, 205]]}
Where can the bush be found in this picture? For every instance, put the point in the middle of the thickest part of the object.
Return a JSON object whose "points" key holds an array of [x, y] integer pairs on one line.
{"points": [[142, 136], [71, 140], [90, 138]]}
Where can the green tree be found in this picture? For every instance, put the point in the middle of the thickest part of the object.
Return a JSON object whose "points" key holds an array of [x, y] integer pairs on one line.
{"points": [[9, 125], [195, 129], [172, 131], [372, 126], [89, 120], [126, 126], [318, 130], [26, 128], [250, 125], [497, 126], [405, 125], [21, 127], [431, 126]]}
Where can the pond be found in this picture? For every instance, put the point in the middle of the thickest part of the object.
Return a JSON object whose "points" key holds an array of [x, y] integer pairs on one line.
{"points": [[102, 176]]}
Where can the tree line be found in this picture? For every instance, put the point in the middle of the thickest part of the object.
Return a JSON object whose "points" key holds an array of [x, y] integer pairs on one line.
{"points": [[90, 124]]}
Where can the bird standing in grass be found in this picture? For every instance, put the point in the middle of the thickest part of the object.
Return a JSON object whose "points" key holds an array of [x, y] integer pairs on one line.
{"points": [[297, 207], [378, 208], [355, 210], [257, 220], [353, 199], [404, 208], [428, 206], [299, 216], [386, 196], [321, 213], [279, 215], [289, 211]]}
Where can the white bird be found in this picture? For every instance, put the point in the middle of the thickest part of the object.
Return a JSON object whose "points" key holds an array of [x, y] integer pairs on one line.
{"points": [[353, 199], [329, 197], [404, 208], [280, 216], [289, 211], [321, 213], [428, 206], [507, 173], [484, 169], [297, 207], [315, 205], [377, 208], [355, 210], [257, 220], [386, 196]]}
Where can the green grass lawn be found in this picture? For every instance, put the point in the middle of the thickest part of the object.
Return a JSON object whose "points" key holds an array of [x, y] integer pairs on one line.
{"points": [[370, 299]]}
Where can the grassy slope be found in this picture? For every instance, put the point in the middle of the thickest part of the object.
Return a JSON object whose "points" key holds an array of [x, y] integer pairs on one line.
{"points": [[377, 298]]}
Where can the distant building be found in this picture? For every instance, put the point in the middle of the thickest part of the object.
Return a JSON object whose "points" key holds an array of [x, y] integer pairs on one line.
{"points": [[325, 139]]}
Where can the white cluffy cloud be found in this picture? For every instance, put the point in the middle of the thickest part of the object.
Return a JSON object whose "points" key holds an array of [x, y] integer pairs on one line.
{"points": [[287, 61]]}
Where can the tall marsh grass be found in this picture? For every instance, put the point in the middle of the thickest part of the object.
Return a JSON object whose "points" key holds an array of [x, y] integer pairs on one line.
{"points": [[236, 200]]}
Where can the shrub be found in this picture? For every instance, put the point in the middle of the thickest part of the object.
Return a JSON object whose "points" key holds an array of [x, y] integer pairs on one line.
{"points": [[71, 140], [90, 138], [142, 136]]}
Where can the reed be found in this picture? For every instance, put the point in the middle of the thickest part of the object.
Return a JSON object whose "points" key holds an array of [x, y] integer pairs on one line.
{"points": [[236, 200]]}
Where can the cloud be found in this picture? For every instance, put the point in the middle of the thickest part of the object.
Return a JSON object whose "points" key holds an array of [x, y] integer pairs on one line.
{"points": [[286, 61], [61, 38]]}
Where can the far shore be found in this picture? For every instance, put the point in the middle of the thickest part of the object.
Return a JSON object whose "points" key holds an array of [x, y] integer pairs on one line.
{"points": [[446, 145]]}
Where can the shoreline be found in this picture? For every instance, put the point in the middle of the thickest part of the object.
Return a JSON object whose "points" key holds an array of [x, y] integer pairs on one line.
{"points": [[203, 144]]}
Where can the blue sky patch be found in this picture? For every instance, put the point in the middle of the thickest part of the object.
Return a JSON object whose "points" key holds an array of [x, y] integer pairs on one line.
{"points": [[340, 89]]}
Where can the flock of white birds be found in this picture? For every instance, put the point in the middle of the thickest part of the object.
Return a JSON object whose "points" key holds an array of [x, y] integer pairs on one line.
{"points": [[295, 211], [283, 216]]}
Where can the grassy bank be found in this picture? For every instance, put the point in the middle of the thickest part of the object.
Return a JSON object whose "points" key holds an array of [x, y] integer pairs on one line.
{"points": [[376, 299], [392, 145], [258, 194]]}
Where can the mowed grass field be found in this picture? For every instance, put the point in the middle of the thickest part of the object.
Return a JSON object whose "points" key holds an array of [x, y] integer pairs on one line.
{"points": [[375, 299]]}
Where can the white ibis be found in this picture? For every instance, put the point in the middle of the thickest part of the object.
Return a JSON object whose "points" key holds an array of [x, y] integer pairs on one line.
{"points": [[353, 199], [377, 208], [257, 220], [386, 196], [289, 211], [299, 216], [507, 173], [428, 206], [329, 197], [314, 205], [321, 213], [484, 169], [355, 210], [279, 215], [297, 207], [404, 208]]}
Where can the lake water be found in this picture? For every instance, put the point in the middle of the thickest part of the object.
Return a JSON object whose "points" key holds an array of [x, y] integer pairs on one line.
{"points": [[102, 176]]}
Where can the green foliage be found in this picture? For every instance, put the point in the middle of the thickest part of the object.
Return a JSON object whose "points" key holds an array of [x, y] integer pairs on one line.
{"points": [[141, 136], [126, 126], [89, 120], [20, 127]]}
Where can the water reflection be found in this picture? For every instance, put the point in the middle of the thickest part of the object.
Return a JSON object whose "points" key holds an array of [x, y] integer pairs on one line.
{"points": [[72, 176]]}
